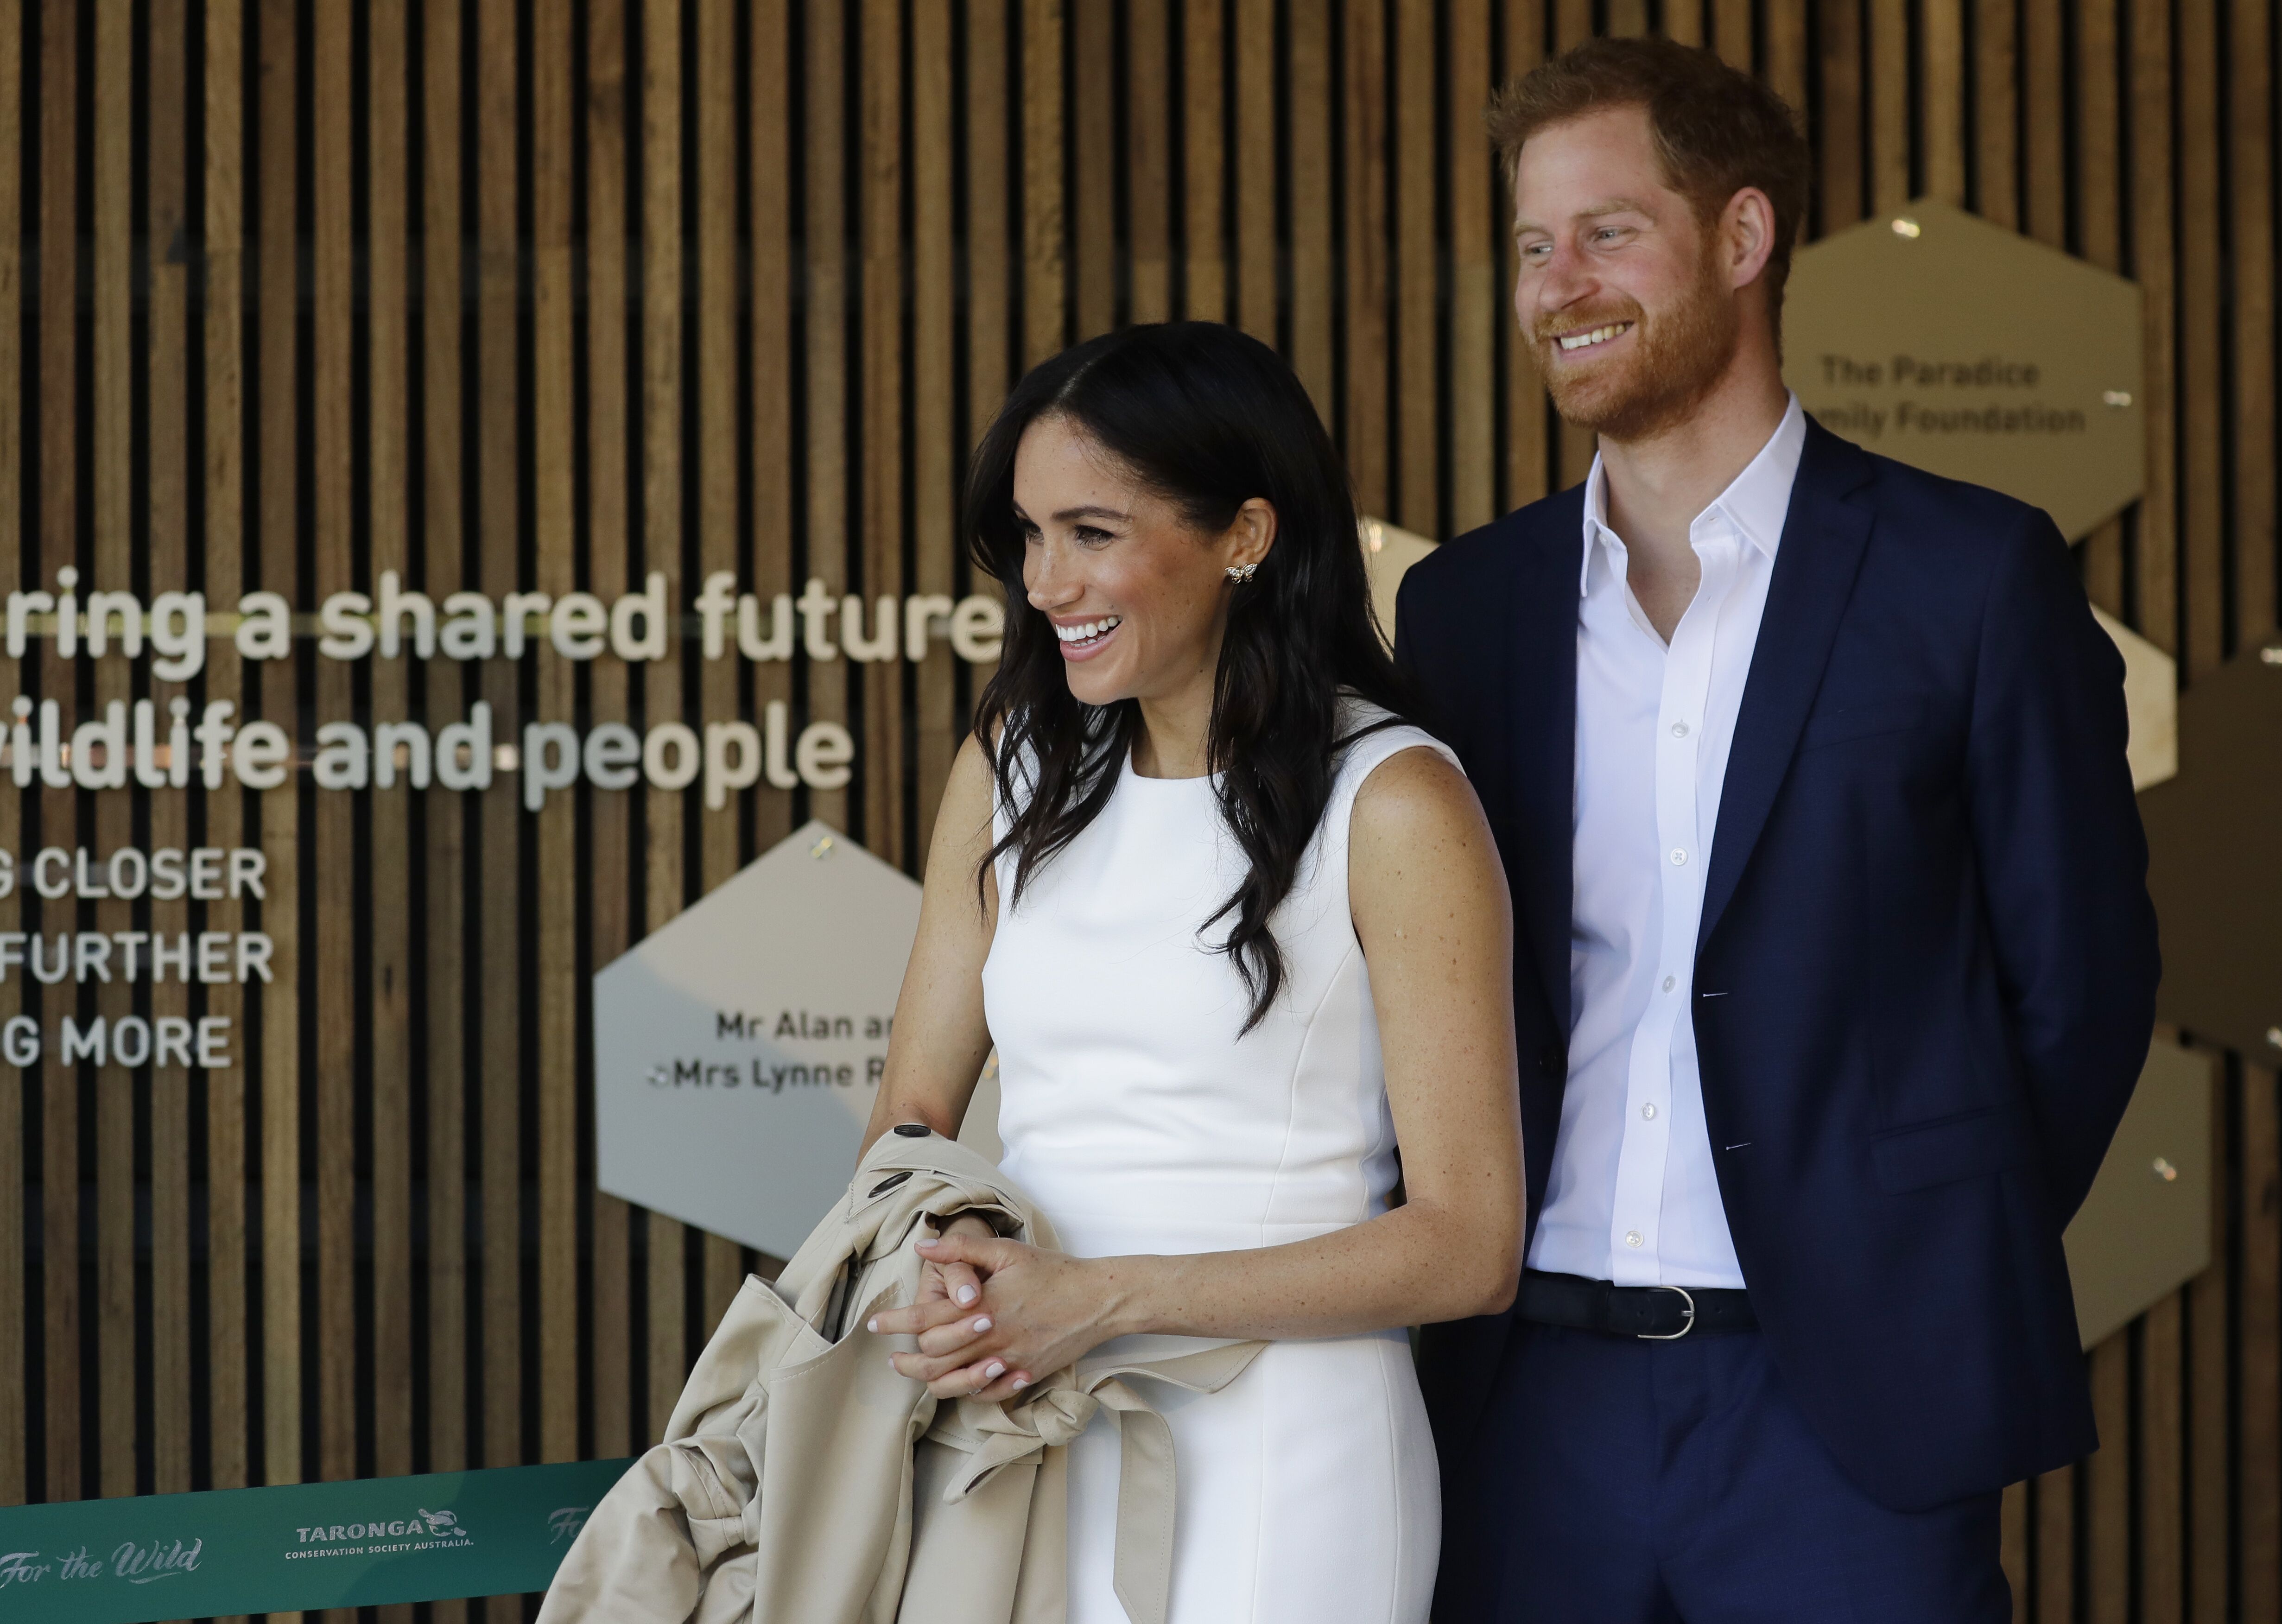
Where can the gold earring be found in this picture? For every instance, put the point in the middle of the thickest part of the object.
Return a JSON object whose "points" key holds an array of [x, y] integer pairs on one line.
{"points": [[1241, 572]]}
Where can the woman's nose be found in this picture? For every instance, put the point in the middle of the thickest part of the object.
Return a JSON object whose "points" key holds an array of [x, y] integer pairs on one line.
{"points": [[1047, 585]]}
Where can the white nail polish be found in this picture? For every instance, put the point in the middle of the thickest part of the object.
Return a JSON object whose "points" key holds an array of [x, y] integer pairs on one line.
{"points": [[873, 1326], [965, 1295], [981, 1325], [993, 1371], [1020, 1382]]}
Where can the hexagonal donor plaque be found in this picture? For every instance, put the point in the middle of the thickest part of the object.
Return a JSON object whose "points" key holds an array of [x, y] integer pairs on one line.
{"points": [[739, 1048], [1938, 340], [2145, 1231]]}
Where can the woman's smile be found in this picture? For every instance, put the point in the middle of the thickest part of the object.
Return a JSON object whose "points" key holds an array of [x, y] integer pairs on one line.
{"points": [[1081, 639]]}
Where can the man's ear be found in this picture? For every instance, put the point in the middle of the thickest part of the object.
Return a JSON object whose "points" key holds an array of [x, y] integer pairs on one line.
{"points": [[1747, 230]]}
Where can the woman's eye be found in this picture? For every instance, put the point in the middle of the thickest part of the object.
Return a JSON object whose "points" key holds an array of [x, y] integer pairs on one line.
{"points": [[1088, 536]]}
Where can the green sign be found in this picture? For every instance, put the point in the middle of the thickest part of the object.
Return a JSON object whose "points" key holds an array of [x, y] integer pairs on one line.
{"points": [[297, 1547]]}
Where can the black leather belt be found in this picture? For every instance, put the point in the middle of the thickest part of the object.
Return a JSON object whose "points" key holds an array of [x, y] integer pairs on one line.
{"points": [[1657, 1313]]}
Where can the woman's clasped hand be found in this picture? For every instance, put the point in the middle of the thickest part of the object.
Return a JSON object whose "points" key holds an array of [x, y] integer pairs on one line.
{"points": [[994, 1315]]}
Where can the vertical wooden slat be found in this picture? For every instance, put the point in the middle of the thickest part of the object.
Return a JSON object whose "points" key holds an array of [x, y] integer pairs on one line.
{"points": [[1475, 306], [934, 445], [1365, 242], [1887, 79], [2250, 208], [1203, 75], [617, 1427], [1732, 37], [1148, 145], [112, 461], [164, 420], [553, 456], [1527, 473], [333, 872], [1942, 111], [2045, 136], [389, 926], [1044, 250], [1786, 43], [2055, 1542], [877, 563], [1996, 63], [2156, 578], [2200, 383], [498, 510], [1311, 29], [2162, 1499], [1253, 72], [719, 450], [1093, 135], [2210, 1425], [660, 547], [829, 384], [278, 491], [447, 569], [15, 1301], [991, 113], [2098, 139], [1838, 137], [230, 1348], [2108, 1472], [1414, 255], [2259, 1352]]}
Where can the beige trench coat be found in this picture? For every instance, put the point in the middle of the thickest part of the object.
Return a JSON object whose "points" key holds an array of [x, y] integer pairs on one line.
{"points": [[802, 1481]]}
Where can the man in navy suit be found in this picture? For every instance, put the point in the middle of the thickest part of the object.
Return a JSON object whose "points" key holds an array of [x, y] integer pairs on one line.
{"points": [[1836, 965]]}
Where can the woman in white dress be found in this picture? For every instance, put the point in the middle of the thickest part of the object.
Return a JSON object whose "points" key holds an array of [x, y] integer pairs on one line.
{"points": [[1242, 942]]}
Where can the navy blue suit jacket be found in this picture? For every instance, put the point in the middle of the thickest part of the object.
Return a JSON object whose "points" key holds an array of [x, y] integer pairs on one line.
{"points": [[1925, 977]]}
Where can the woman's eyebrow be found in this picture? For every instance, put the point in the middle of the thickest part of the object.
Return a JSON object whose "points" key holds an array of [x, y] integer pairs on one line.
{"points": [[1066, 515]]}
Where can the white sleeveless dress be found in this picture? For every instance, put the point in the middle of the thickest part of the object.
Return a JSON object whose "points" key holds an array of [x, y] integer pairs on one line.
{"points": [[1140, 1123]]}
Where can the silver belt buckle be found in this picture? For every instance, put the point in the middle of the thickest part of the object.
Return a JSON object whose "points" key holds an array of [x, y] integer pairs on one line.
{"points": [[1686, 1325]]}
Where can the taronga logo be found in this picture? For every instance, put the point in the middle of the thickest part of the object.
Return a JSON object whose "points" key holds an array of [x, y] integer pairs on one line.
{"points": [[423, 1530]]}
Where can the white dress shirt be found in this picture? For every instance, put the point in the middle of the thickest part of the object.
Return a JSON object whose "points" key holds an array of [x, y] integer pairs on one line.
{"points": [[1633, 1198]]}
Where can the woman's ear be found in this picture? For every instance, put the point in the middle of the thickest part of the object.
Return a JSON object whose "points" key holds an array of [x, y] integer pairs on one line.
{"points": [[1251, 534]]}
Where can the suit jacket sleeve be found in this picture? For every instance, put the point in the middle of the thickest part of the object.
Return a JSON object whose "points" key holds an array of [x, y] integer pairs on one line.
{"points": [[2062, 860]]}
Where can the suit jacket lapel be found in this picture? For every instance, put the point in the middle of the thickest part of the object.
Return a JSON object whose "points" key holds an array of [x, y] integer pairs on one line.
{"points": [[1544, 697], [1823, 539]]}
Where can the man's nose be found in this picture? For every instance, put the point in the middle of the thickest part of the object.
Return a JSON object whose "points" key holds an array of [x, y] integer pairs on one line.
{"points": [[1562, 278]]}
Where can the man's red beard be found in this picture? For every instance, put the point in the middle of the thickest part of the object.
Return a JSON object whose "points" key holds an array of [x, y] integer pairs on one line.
{"points": [[1674, 361]]}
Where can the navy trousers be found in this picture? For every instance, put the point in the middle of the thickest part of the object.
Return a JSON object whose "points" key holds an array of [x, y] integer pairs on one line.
{"points": [[1641, 1482]]}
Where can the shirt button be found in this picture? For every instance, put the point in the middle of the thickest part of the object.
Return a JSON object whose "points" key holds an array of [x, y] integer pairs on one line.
{"points": [[1678, 857], [1670, 982], [1648, 1112], [1680, 730], [1633, 1238]]}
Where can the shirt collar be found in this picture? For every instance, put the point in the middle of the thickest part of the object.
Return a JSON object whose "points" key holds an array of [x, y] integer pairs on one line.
{"points": [[1754, 502]]}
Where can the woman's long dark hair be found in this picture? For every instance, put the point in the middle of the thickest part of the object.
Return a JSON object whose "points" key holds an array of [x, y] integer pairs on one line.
{"points": [[1207, 418]]}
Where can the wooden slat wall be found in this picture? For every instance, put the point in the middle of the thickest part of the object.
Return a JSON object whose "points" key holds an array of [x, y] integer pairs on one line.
{"points": [[517, 295]]}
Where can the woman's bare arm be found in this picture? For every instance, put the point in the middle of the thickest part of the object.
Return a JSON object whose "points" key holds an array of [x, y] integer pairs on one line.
{"points": [[1431, 910], [939, 1043]]}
